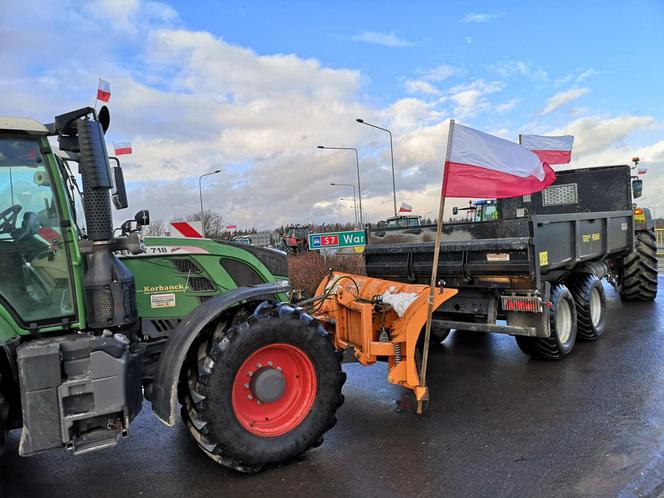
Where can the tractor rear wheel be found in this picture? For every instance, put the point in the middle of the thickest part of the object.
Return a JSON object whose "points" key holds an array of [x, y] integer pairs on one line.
{"points": [[266, 391], [562, 325], [639, 275]]}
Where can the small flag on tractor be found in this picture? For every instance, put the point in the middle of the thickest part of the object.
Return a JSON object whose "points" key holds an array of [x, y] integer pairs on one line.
{"points": [[405, 208], [104, 90], [482, 165], [551, 150], [122, 148]]}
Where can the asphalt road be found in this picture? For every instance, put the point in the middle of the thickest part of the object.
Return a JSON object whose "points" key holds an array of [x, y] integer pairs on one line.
{"points": [[498, 424]]}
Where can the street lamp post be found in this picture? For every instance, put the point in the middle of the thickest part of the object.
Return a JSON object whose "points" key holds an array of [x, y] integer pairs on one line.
{"points": [[200, 194], [394, 185], [359, 188], [354, 201]]}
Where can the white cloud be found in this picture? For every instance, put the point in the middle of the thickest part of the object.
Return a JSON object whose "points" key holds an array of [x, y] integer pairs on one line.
{"points": [[576, 76], [129, 15], [442, 72], [384, 39], [509, 68], [474, 17], [595, 134], [470, 99], [419, 86], [562, 98]]}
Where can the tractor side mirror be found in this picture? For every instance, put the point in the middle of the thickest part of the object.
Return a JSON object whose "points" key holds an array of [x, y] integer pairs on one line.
{"points": [[142, 217], [455, 210], [637, 188], [119, 193]]}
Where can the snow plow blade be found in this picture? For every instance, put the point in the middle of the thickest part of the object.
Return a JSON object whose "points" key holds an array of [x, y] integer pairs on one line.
{"points": [[379, 319]]}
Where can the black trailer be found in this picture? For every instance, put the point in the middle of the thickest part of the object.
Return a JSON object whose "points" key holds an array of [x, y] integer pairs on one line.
{"points": [[536, 272]]}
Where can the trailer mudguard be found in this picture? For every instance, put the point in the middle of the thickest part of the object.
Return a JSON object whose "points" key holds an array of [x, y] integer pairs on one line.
{"points": [[164, 391]]}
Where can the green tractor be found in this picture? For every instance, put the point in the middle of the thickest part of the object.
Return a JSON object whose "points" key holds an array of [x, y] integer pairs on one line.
{"points": [[94, 321]]}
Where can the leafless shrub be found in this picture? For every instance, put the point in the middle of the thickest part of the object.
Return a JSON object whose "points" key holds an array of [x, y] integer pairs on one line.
{"points": [[305, 271]]}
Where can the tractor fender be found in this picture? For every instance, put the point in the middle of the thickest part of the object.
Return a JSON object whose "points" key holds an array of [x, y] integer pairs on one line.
{"points": [[165, 388]]}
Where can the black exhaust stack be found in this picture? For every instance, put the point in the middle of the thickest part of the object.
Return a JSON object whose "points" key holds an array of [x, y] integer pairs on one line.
{"points": [[110, 287]]}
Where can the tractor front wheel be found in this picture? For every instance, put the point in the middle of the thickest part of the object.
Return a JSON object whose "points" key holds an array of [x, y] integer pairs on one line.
{"points": [[265, 392], [4, 414]]}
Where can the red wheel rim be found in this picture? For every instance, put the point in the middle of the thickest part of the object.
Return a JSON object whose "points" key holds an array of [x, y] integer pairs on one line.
{"points": [[272, 419]]}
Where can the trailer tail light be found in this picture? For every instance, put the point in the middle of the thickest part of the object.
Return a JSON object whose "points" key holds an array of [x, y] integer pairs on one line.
{"points": [[522, 303]]}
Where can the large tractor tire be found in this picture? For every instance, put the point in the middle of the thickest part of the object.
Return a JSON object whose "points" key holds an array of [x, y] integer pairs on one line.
{"points": [[563, 329], [590, 301], [265, 391], [4, 415], [639, 276]]}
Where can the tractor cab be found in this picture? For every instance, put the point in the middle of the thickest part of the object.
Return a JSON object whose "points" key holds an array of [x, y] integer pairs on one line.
{"points": [[38, 282], [480, 210], [404, 221]]}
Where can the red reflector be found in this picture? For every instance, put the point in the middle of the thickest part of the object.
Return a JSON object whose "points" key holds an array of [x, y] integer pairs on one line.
{"points": [[521, 303]]}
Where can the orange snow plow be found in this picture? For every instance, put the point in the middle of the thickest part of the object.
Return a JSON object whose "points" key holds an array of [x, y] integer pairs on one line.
{"points": [[379, 320]]}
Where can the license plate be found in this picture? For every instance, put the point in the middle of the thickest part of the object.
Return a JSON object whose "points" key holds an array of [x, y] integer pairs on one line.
{"points": [[497, 256]]}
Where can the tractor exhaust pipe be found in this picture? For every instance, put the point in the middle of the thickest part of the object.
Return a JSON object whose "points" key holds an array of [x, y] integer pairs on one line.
{"points": [[110, 287]]}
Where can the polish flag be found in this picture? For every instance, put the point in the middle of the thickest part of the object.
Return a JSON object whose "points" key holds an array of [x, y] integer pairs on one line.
{"points": [[104, 90], [643, 171], [551, 150], [122, 148], [405, 208], [231, 227], [481, 165]]}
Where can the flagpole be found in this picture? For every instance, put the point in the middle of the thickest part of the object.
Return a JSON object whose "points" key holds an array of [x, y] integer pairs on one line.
{"points": [[434, 273], [97, 94]]}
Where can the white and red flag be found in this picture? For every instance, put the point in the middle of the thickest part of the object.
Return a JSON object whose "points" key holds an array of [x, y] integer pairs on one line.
{"points": [[405, 208], [482, 165], [231, 227], [104, 90], [551, 150], [122, 148], [643, 171]]}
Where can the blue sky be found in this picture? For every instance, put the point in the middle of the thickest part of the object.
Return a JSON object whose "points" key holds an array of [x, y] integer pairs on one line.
{"points": [[253, 89]]}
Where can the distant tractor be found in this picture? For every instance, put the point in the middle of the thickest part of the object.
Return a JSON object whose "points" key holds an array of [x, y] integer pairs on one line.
{"points": [[402, 221], [481, 210], [296, 239]]}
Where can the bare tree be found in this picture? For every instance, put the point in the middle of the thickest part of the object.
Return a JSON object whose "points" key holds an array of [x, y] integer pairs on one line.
{"points": [[155, 229], [213, 223]]}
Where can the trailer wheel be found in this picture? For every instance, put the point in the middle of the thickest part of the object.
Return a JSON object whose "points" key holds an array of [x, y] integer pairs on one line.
{"points": [[639, 275], [563, 329], [265, 392], [590, 301]]}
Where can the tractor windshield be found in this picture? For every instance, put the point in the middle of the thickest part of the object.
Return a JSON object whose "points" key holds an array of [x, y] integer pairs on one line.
{"points": [[36, 281]]}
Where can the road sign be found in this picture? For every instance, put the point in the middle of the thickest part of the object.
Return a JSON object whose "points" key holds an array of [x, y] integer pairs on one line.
{"points": [[330, 240], [190, 229]]}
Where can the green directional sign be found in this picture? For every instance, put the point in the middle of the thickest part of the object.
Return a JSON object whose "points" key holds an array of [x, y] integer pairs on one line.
{"points": [[331, 240]]}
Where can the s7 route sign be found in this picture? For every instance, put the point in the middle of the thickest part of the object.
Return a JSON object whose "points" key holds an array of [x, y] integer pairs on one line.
{"points": [[331, 240]]}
